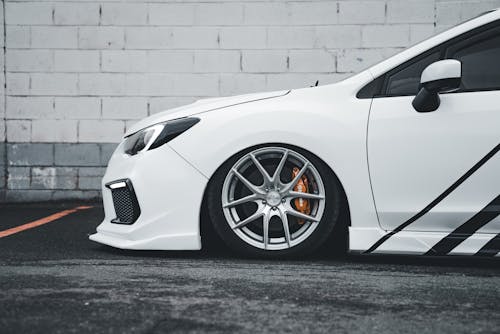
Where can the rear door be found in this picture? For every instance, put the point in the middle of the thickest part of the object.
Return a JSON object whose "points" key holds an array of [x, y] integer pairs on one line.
{"points": [[437, 171]]}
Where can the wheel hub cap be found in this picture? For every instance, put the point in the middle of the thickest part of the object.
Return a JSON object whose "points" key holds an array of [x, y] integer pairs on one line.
{"points": [[273, 198]]}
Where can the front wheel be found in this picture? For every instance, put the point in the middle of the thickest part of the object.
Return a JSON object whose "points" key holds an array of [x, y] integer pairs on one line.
{"points": [[274, 201]]}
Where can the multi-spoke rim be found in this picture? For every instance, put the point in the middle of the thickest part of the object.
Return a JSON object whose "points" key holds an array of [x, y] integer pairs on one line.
{"points": [[273, 198]]}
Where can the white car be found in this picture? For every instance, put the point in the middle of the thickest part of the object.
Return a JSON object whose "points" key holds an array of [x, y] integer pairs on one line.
{"points": [[407, 149]]}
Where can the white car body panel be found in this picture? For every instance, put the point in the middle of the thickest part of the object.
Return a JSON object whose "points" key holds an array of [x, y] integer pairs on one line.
{"points": [[160, 225], [430, 151], [391, 161], [449, 68], [241, 128], [201, 106]]}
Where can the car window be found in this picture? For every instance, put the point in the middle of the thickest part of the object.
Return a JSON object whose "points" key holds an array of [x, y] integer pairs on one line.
{"points": [[407, 80], [478, 49], [480, 64]]}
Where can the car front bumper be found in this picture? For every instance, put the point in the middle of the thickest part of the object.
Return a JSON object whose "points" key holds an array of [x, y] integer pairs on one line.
{"points": [[169, 193]]}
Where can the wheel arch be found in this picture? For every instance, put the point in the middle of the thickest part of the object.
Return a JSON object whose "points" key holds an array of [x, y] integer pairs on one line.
{"points": [[206, 229]]}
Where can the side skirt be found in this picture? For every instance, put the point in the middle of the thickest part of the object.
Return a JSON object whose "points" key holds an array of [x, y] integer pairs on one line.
{"points": [[420, 243]]}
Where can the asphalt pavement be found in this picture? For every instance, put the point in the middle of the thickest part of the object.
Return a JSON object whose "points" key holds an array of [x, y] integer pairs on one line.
{"points": [[54, 280]]}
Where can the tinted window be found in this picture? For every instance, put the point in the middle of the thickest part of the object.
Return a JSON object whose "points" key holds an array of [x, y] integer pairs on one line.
{"points": [[480, 64], [407, 80]]}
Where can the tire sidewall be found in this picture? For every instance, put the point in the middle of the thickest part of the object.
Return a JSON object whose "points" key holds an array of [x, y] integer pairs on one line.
{"points": [[312, 243]]}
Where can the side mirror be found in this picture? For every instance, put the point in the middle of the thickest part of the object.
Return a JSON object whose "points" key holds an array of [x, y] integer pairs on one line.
{"points": [[441, 76]]}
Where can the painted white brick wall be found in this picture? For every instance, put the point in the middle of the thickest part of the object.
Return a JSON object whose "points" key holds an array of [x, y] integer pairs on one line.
{"points": [[82, 72], [3, 115]]}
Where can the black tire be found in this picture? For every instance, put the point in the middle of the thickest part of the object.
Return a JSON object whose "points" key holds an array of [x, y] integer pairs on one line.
{"points": [[333, 203]]}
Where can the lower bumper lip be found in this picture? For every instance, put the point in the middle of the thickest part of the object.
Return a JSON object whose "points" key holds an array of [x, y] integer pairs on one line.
{"points": [[168, 220]]}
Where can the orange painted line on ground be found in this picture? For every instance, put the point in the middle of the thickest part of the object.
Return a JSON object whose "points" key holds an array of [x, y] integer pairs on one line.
{"points": [[41, 221]]}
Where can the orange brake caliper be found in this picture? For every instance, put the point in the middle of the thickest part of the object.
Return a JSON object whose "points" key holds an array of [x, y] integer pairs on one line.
{"points": [[302, 186]]}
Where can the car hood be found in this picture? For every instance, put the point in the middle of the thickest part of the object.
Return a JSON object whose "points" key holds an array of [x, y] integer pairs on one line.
{"points": [[199, 107]]}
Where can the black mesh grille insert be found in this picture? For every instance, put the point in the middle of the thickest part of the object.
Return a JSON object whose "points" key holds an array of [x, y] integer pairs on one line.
{"points": [[125, 203]]}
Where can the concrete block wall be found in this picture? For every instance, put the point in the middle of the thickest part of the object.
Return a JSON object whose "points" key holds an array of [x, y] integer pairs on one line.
{"points": [[78, 73]]}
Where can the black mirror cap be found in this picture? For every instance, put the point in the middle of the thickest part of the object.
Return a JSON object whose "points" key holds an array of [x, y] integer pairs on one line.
{"points": [[428, 100]]}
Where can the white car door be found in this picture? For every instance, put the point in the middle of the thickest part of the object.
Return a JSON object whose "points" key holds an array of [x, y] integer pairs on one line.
{"points": [[440, 171]]}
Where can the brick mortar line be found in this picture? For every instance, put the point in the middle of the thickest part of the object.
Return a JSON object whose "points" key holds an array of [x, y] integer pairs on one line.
{"points": [[287, 60], [188, 26], [194, 50], [5, 159], [131, 1], [174, 74]]}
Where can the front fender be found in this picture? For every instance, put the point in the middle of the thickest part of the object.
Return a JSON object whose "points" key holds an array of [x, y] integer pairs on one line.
{"points": [[335, 132]]}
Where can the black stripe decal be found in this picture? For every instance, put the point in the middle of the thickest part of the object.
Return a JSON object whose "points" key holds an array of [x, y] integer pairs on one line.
{"points": [[437, 200], [452, 240], [491, 248]]}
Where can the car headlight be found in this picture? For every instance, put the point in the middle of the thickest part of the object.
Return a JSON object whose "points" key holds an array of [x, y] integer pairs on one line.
{"points": [[157, 135]]}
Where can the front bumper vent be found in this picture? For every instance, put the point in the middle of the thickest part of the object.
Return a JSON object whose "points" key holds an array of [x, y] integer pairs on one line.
{"points": [[125, 202]]}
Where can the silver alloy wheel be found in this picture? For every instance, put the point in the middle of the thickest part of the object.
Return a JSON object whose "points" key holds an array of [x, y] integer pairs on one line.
{"points": [[272, 198]]}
